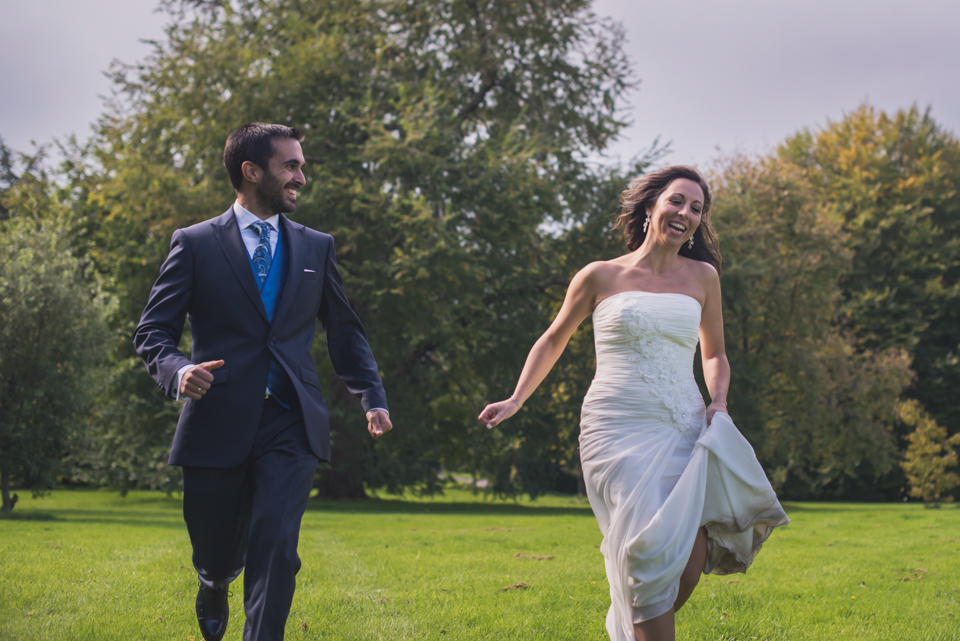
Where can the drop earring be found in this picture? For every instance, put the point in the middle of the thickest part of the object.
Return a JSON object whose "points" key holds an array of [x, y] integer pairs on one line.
{"points": [[690, 244], [646, 224]]}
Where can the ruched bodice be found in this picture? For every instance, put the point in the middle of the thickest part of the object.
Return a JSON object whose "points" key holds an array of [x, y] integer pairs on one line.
{"points": [[645, 345], [654, 471]]}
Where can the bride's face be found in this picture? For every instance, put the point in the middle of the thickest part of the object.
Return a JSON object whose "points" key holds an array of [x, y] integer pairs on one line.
{"points": [[677, 212]]}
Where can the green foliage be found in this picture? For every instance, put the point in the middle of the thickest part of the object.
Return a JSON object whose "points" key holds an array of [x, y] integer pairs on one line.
{"points": [[127, 435], [928, 456], [441, 137], [446, 147], [891, 184], [818, 410], [540, 449], [842, 270], [127, 441], [52, 340]]}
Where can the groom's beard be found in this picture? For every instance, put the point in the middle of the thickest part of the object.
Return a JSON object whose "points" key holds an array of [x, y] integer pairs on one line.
{"points": [[271, 196]]}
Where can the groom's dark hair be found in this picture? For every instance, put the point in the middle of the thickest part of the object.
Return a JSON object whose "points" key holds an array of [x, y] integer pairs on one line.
{"points": [[254, 142]]}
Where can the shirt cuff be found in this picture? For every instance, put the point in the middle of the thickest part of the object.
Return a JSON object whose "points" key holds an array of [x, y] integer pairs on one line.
{"points": [[379, 408], [180, 373]]}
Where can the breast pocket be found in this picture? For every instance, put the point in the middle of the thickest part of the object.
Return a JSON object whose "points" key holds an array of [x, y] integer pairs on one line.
{"points": [[311, 274]]}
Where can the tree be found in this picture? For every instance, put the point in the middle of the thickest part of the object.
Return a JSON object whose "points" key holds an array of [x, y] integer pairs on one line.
{"points": [[928, 456], [818, 410], [441, 137], [891, 183], [15, 167], [8, 177], [52, 337]]}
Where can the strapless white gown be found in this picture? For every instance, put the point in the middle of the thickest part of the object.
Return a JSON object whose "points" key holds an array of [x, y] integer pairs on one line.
{"points": [[653, 470]]}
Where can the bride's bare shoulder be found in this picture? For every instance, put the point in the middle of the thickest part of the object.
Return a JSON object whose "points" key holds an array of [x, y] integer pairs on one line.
{"points": [[600, 271], [592, 280], [705, 274]]}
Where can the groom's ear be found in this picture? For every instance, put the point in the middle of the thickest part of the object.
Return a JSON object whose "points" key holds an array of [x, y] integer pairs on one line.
{"points": [[251, 171]]}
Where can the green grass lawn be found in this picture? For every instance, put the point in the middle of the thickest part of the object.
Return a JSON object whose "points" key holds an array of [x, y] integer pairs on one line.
{"points": [[91, 565]]}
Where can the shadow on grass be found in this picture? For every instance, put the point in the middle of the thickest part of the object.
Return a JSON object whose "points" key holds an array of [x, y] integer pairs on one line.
{"points": [[840, 508], [28, 515], [172, 501], [111, 517], [399, 506]]}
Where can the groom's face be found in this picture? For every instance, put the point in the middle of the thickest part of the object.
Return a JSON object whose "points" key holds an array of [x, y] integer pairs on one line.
{"points": [[283, 178]]}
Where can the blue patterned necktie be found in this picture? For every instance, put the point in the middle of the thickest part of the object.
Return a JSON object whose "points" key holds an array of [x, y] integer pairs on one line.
{"points": [[261, 255]]}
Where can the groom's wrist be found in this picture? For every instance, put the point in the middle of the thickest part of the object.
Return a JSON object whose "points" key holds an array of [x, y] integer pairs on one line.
{"points": [[180, 372]]}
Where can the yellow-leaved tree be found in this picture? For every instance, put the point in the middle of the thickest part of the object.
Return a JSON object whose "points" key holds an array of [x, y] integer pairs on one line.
{"points": [[928, 456]]}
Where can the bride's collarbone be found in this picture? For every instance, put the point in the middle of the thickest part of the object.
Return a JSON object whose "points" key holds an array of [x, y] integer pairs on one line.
{"points": [[642, 292]]}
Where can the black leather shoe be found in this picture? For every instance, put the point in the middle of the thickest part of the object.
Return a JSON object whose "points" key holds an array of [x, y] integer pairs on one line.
{"points": [[213, 611]]}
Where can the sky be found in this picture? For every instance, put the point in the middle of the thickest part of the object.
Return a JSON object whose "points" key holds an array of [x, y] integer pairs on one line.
{"points": [[54, 54], [743, 75], [737, 76]]}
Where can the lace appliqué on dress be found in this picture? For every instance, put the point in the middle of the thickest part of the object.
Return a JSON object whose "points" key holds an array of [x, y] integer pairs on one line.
{"points": [[656, 356]]}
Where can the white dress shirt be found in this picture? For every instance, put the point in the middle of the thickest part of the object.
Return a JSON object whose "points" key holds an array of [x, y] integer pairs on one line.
{"points": [[251, 239]]}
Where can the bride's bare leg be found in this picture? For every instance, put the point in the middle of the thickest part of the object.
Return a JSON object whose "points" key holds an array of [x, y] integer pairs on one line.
{"points": [[660, 628], [691, 573]]}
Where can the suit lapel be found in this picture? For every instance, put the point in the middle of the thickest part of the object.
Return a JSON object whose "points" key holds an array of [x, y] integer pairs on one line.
{"points": [[296, 257], [228, 233]]}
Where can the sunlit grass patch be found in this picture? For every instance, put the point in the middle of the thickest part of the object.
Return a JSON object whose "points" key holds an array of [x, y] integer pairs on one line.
{"points": [[91, 565]]}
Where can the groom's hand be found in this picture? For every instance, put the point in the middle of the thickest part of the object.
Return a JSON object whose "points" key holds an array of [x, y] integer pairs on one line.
{"points": [[378, 423], [198, 379]]}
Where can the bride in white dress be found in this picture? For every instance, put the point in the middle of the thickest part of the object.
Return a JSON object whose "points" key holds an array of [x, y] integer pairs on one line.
{"points": [[675, 487]]}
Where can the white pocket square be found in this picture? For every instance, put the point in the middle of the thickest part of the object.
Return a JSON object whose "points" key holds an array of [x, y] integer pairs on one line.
{"points": [[309, 271]]}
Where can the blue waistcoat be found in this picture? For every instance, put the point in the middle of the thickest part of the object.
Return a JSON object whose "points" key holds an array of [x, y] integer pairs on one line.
{"points": [[270, 292]]}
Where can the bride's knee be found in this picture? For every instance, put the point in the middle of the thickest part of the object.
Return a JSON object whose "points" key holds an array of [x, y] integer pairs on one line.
{"points": [[691, 573], [688, 581]]}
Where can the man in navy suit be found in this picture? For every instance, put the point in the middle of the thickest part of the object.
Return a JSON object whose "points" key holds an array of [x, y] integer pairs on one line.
{"points": [[252, 284]]}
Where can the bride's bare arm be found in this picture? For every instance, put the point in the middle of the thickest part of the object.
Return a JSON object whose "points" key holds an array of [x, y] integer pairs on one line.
{"points": [[716, 368], [577, 305]]}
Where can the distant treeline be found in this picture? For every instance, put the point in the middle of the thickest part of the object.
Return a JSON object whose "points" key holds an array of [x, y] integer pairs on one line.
{"points": [[448, 148]]}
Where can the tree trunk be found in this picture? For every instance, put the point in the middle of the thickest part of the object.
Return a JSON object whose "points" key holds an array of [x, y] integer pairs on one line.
{"points": [[342, 478], [578, 472], [8, 501]]}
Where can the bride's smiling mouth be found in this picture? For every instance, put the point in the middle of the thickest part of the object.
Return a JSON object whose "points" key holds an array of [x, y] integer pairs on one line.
{"points": [[678, 229]]}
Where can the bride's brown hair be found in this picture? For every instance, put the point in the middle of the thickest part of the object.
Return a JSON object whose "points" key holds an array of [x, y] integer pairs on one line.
{"points": [[642, 195]]}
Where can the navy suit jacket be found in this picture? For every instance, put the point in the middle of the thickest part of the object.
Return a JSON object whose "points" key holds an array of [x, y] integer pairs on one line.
{"points": [[207, 278]]}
